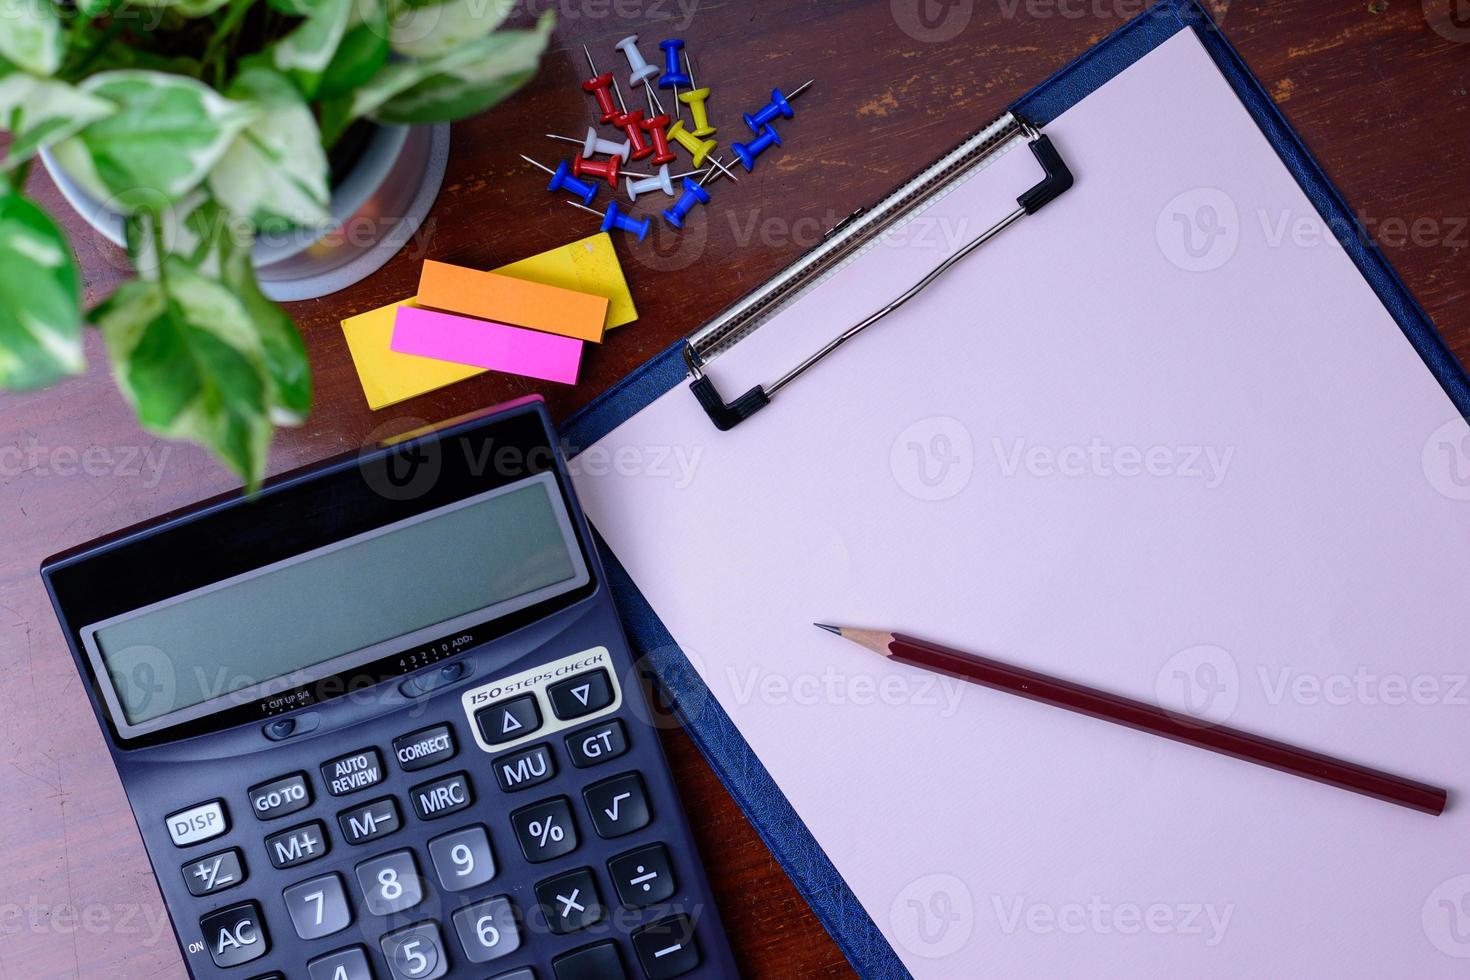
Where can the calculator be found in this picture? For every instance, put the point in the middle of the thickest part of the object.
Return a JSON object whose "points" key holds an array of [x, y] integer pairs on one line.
{"points": [[379, 721]]}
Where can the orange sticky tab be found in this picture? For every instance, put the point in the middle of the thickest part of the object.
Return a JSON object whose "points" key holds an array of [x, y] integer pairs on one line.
{"points": [[503, 299]]}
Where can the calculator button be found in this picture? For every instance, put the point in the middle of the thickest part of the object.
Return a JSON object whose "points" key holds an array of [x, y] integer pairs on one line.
{"points": [[462, 859], [618, 806], [442, 797], [198, 823], [597, 744], [214, 873], [318, 907], [280, 797], [390, 883], [415, 953], [643, 877], [354, 772], [369, 821], [570, 901], [297, 845], [599, 962], [509, 720], [424, 749], [525, 973], [582, 695], [525, 769], [666, 948], [344, 964], [235, 935], [487, 930], [545, 830]]}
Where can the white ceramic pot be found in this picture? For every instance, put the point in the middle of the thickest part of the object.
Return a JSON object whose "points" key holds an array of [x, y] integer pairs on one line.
{"points": [[377, 207]]}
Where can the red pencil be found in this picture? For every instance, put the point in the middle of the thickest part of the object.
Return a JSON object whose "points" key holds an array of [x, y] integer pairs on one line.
{"points": [[1149, 718]]}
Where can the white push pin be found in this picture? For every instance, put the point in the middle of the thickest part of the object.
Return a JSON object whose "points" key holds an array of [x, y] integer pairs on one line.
{"points": [[642, 70], [594, 144], [659, 182]]}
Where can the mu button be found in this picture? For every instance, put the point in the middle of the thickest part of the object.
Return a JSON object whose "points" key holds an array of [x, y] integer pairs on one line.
{"points": [[506, 721]]}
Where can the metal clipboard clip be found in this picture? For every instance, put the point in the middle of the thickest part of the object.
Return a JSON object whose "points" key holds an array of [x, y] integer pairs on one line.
{"points": [[849, 239]]}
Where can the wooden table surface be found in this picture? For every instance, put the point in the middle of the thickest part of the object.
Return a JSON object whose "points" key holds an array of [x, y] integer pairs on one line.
{"points": [[1377, 91]]}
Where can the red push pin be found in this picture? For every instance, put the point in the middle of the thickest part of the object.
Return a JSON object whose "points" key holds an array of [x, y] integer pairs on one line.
{"points": [[632, 124], [600, 88], [607, 169], [657, 129]]}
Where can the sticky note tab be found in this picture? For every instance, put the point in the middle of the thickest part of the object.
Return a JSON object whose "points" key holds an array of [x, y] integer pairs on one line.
{"points": [[484, 344], [512, 301], [388, 377]]}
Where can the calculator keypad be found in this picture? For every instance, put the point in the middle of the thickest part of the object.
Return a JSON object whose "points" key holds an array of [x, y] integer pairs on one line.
{"points": [[433, 908]]}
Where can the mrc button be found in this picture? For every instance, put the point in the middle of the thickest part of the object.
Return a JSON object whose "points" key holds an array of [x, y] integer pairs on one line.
{"points": [[202, 822], [587, 692], [442, 797], [350, 773], [425, 748]]}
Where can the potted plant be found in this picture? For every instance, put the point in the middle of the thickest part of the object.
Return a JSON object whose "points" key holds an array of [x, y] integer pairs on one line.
{"points": [[207, 126]]}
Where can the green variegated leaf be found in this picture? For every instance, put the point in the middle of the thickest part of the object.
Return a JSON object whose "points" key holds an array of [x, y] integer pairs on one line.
{"points": [[42, 111], [306, 52], [191, 364], [166, 136], [468, 79], [189, 8], [275, 173], [431, 30], [40, 297], [362, 53], [31, 35]]}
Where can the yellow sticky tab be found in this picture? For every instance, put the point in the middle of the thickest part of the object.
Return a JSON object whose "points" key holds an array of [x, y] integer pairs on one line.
{"points": [[588, 266]]}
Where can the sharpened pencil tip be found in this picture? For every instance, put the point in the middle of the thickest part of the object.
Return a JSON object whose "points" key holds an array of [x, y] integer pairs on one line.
{"points": [[829, 629]]}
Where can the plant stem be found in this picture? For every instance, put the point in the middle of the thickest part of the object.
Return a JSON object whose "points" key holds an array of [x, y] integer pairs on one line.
{"points": [[97, 50], [228, 26]]}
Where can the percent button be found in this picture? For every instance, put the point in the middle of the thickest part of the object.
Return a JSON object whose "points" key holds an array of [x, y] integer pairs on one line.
{"points": [[545, 830]]}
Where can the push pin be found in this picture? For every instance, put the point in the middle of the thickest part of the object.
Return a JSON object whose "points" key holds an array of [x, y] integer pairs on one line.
{"points": [[695, 100], [672, 76], [608, 170], [780, 105], [600, 88], [657, 130], [642, 70], [661, 181], [698, 149], [562, 179], [632, 124], [593, 144], [693, 194], [747, 153], [617, 219]]}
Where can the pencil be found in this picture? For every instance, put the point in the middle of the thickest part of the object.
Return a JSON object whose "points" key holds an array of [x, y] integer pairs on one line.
{"points": [[1148, 718]]}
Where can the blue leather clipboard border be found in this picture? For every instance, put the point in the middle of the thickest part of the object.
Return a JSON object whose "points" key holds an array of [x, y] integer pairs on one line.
{"points": [[708, 725]]}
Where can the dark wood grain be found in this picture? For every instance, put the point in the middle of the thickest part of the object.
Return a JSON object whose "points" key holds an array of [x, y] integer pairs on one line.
{"points": [[1377, 93]]}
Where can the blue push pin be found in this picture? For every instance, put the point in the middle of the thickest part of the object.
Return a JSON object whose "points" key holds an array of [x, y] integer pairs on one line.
{"points": [[693, 194], [562, 179], [673, 76], [747, 153], [780, 105], [617, 219]]}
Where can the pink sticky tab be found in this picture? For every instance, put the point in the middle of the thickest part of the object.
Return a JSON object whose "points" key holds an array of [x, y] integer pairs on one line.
{"points": [[484, 344]]}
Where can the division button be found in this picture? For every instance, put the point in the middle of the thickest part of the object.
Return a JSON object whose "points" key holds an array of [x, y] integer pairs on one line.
{"points": [[506, 721], [643, 877]]}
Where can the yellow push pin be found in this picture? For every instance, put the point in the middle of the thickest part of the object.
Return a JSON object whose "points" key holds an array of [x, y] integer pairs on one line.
{"points": [[698, 149], [695, 101]]}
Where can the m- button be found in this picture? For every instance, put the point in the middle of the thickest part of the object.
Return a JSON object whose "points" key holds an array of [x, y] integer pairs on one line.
{"points": [[506, 721]]}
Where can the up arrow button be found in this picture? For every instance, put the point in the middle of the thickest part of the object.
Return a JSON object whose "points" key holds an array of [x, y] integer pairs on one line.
{"points": [[506, 721], [581, 695]]}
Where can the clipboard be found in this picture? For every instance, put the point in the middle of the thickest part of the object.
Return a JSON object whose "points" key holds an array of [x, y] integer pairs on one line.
{"points": [[711, 727]]}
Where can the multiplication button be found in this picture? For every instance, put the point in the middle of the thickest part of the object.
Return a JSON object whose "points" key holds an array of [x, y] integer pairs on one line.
{"points": [[570, 901], [545, 830]]}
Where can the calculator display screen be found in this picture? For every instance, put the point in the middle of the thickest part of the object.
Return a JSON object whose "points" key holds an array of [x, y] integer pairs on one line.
{"points": [[327, 611]]}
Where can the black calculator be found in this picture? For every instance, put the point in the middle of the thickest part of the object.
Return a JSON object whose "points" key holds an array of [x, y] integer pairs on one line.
{"points": [[380, 722]]}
